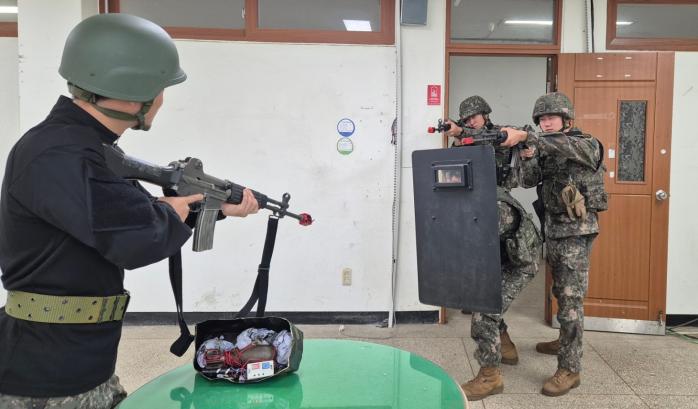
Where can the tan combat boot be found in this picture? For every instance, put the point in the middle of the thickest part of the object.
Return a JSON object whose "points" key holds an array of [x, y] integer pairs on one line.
{"points": [[487, 382], [561, 383], [509, 354], [550, 348]]}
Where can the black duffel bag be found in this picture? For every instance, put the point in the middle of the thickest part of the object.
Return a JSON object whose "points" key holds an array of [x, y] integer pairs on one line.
{"points": [[253, 357]]}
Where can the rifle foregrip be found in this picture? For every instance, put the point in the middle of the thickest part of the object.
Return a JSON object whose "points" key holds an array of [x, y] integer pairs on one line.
{"points": [[236, 196]]}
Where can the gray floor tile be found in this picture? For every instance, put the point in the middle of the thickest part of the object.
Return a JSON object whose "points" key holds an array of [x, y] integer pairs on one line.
{"points": [[636, 340], [617, 367], [529, 323], [329, 331], [152, 331], [654, 371], [141, 361], [458, 326], [476, 405], [533, 295], [576, 401], [670, 401], [534, 368]]}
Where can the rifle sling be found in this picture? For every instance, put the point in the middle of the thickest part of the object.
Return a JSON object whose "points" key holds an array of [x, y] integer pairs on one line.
{"points": [[259, 292]]}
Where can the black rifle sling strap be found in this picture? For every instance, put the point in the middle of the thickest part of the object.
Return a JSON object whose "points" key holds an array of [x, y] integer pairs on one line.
{"points": [[180, 346], [259, 292], [261, 285]]}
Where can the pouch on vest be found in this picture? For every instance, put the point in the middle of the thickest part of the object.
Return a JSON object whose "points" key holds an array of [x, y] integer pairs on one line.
{"points": [[523, 249]]}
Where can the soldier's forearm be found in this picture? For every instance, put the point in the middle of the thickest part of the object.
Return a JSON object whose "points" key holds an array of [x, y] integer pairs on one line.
{"points": [[584, 151]]}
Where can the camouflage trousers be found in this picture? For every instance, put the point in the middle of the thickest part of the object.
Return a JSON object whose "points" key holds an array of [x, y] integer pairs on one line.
{"points": [[569, 260], [485, 329], [104, 396]]}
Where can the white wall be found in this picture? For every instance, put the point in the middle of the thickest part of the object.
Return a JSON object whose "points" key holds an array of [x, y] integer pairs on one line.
{"points": [[682, 280], [423, 49], [263, 115], [9, 101]]}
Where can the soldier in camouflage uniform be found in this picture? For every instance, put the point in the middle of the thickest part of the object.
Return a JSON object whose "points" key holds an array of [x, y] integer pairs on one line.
{"points": [[520, 244], [568, 165]]}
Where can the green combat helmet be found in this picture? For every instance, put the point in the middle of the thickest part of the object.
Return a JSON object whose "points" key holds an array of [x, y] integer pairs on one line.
{"points": [[474, 105], [123, 57], [554, 103]]}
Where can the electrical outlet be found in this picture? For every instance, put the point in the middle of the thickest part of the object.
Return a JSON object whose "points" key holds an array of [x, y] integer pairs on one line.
{"points": [[346, 276]]}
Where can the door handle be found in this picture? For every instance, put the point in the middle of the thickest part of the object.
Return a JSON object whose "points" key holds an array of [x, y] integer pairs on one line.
{"points": [[661, 195]]}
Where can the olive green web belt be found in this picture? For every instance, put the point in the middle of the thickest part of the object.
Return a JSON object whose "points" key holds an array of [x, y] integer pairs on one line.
{"points": [[54, 309]]}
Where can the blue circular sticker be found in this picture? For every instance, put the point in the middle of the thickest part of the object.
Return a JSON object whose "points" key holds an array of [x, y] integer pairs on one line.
{"points": [[346, 127]]}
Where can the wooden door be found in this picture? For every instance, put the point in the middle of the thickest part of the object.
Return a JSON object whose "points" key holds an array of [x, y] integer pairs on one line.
{"points": [[625, 100]]}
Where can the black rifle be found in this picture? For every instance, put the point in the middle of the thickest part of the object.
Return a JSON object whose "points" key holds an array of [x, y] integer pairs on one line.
{"points": [[186, 177], [485, 136], [443, 127]]}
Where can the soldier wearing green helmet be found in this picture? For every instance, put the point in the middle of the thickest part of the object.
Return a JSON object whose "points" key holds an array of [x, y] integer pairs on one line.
{"points": [[567, 165], [69, 226], [520, 245]]}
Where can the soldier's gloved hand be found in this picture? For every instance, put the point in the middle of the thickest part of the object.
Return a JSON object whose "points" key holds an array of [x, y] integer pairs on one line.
{"points": [[248, 205], [180, 204], [574, 202]]}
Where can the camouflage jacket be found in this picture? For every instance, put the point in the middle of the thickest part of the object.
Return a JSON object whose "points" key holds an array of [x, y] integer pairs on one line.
{"points": [[519, 237], [562, 159]]}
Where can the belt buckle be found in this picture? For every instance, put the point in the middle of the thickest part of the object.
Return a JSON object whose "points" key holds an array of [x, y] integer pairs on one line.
{"points": [[113, 313], [128, 300], [102, 311]]}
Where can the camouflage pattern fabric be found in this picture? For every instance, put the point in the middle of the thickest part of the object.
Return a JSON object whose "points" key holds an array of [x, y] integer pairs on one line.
{"points": [[105, 396], [569, 259], [510, 178], [473, 105], [554, 103], [520, 243], [562, 159]]}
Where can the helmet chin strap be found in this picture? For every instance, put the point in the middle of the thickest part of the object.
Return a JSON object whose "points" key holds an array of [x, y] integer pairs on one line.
{"points": [[91, 98], [566, 124]]}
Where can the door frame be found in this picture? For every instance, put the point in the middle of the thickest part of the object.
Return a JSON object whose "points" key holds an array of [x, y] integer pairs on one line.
{"points": [[460, 52], [500, 50], [659, 226]]}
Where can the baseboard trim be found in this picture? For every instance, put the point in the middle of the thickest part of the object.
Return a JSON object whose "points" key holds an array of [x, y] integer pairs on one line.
{"points": [[679, 319], [297, 317]]}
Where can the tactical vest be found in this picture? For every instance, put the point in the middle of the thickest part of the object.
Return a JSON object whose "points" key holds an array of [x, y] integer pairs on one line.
{"points": [[502, 157], [505, 174], [523, 247], [557, 174]]}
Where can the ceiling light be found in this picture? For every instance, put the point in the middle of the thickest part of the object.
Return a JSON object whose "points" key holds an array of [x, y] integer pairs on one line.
{"points": [[357, 25], [8, 9], [623, 23], [530, 22]]}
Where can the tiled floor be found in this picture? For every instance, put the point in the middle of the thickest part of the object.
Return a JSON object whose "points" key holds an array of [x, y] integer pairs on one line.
{"points": [[620, 371]]}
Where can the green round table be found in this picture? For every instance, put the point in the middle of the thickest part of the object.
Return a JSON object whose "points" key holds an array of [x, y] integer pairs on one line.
{"points": [[333, 374]]}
